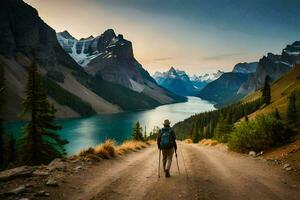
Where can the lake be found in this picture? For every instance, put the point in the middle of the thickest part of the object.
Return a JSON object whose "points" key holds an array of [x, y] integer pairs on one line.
{"points": [[89, 131]]}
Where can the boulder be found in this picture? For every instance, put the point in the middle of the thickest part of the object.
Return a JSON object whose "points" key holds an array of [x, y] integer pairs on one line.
{"points": [[286, 165], [51, 182], [40, 172], [57, 164], [252, 153], [16, 172]]}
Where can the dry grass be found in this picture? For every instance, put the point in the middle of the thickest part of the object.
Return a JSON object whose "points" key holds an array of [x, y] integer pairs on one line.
{"points": [[109, 149], [209, 142], [128, 146], [188, 141], [280, 91]]}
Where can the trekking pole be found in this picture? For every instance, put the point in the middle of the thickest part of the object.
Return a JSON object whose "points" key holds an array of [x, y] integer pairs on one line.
{"points": [[159, 163], [177, 161]]}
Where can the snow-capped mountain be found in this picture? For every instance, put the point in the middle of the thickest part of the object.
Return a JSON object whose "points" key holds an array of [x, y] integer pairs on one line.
{"points": [[86, 49], [176, 81], [110, 57], [207, 77]]}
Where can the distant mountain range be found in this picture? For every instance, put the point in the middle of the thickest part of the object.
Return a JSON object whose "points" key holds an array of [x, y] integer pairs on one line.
{"points": [[180, 83], [233, 86], [82, 77]]}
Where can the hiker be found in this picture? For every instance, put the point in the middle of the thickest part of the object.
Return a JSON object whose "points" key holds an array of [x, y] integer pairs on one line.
{"points": [[166, 142]]}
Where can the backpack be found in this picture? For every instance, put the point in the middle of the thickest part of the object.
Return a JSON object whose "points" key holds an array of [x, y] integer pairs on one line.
{"points": [[166, 140]]}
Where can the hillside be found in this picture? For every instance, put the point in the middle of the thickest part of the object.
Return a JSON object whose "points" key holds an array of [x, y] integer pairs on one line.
{"points": [[224, 89], [280, 91], [20, 36]]}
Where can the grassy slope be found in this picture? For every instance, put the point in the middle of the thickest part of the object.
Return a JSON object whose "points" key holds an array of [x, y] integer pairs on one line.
{"points": [[280, 91]]}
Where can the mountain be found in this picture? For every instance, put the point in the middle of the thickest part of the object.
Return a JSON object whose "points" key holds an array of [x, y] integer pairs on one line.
{"points": [[181, 83], [176, 81], [245, 67], [280, 92], [110, 57], [224, 89], [274, 66], [73, 91], [201, 81]]}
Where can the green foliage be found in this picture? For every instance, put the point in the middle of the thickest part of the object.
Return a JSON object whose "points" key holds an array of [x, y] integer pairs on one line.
{"points": [[266, 91], [64, 97], [259, 134], [223, 129], [276, 114], [117, 94], [153, 133], [292, 109], [39, 143], [207, 122], [137, 133], [195, 134]]}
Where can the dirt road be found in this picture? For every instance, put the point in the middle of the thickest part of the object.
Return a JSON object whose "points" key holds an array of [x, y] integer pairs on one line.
{"points": [[206, 173]]}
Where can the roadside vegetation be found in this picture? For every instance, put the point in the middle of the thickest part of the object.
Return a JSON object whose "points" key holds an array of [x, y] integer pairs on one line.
{"points": [[262, 120]]}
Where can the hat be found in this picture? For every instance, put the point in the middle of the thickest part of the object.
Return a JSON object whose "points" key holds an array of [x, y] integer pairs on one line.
{"points": [[167, 122]]}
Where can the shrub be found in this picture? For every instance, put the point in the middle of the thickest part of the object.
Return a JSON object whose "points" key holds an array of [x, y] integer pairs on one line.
{"points": [[262, 133]]}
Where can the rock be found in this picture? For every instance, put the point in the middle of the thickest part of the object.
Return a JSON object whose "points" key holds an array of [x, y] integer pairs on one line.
{"points": [[260, 153], [39, 172], [57, 164], [24, 199], [77, 168], [252, 153], [286, 165], [288, 169], [52, 182], [42, 193], [18, 190], [16, 172]]}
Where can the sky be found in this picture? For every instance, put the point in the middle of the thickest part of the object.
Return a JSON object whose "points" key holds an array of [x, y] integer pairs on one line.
{"points": [[197, 36]]}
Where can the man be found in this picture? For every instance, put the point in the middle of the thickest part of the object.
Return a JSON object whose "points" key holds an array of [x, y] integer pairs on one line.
{"points": [[166, 142]]}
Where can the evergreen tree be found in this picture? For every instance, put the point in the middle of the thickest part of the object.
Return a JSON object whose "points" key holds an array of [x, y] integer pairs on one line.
{"points": [[195, 133], [222, 129], [292, 109], [276, 114], [137, 133], [1, 129], [266, 92], [11, 149], [145, 134], [39, 144]]}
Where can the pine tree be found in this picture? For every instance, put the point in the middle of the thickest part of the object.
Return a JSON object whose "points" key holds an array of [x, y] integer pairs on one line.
{"points": [[276, 114], [266, 92], [1, 129], [145, 134], [222, 129], [11, 149], [40, 143], [292, 109], [246, 118], [137, 133], [195, 133]]}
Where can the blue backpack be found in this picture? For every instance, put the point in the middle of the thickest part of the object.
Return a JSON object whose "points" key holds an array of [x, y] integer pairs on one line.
{"points": [[166, 141]]}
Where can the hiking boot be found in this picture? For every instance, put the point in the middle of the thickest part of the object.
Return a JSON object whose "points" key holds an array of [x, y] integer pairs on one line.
{"points": [[167, 173]]}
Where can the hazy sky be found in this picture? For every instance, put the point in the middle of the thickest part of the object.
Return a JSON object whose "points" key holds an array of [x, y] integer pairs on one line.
{"points": [[195, 35]]}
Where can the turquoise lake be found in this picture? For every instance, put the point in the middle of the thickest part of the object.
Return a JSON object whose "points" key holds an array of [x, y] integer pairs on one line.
{"points": [[90, 131]]}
